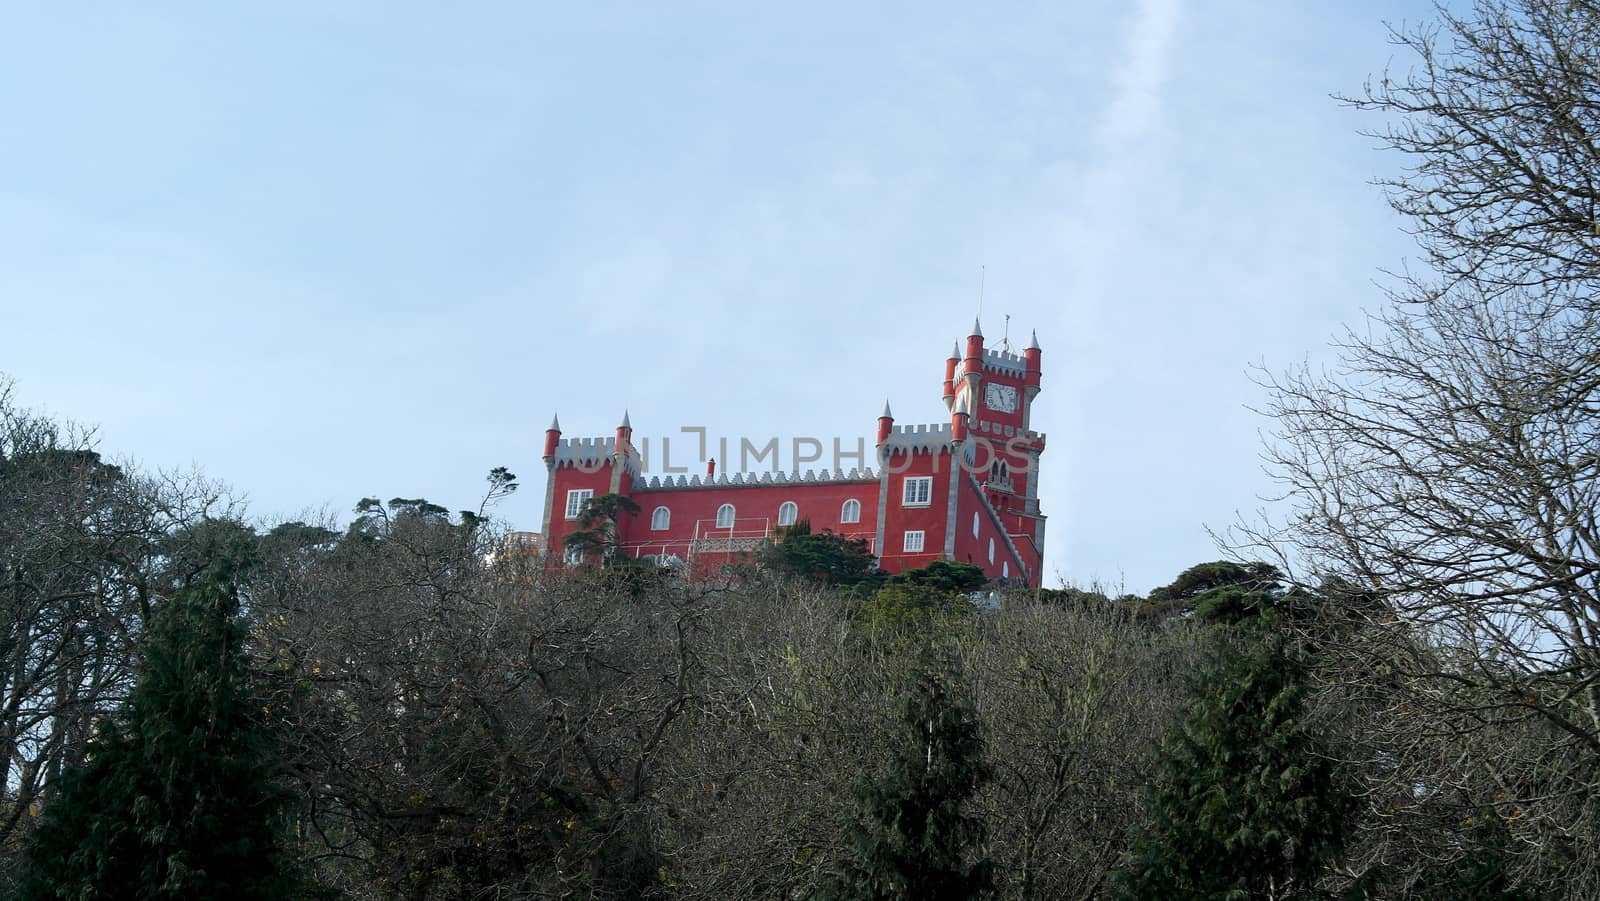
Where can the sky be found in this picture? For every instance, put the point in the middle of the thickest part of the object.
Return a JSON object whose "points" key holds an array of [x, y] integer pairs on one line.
{"points": [[327, 250]]}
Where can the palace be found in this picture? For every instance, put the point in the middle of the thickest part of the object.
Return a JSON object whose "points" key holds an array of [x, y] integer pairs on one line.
{"points": [[964, 489]]}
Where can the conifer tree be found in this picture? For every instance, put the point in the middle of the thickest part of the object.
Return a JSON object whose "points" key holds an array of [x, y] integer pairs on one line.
{"points": [[1245, 804], [176, 797], [913, 841]]}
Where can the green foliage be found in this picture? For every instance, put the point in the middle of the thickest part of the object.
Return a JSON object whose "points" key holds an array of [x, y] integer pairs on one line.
{"points": [[913, 840], [822, 557], [943, 577], [1184, 594], [1245, 803], [918, 595], [177, 798]]}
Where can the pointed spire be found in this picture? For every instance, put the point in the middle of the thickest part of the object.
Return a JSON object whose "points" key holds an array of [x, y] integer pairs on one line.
{"points": [[625, 423], [555, 424], [1033, 342], [961, 406], [955, 352], [977, 329], [886, 413]]}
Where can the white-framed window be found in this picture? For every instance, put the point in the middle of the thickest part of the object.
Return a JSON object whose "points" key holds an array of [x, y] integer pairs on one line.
{"points": [[661, 519], [913, 543], [1005, 570], [851, 511], [573, 556], [918, 491], [974, 524], [788, 512], [725, 516], [576, 499], [991, 550]]}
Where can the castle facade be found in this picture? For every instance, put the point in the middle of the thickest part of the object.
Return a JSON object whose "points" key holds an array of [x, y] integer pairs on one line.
{"points": [[964, 488]]}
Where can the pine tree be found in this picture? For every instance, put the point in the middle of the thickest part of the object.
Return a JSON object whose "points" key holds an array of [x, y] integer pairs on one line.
{"points": [[1245, 804], [913, 841], [176, 798]]}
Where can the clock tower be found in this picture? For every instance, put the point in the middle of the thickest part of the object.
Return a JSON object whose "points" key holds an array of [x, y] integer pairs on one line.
{"points": [[997, 389]]}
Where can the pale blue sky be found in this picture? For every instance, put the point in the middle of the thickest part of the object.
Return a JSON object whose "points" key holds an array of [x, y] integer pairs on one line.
{"points": [[327, 250]]}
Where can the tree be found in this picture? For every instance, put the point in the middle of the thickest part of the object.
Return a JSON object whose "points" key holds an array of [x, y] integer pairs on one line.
{"points": [[83, 544], [598, 528], [177, 797], [914, 840], [1450, 463], [824, 557], [1245, 803]]}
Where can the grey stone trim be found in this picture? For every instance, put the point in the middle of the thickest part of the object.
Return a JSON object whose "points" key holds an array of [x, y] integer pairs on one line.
{"points": [[549, 499], [883, 500], [994, 517], [950, 511]]}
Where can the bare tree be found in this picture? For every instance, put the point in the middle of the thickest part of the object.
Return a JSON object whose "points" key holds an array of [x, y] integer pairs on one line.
{"points": [[82, 546], [1446, 474]]}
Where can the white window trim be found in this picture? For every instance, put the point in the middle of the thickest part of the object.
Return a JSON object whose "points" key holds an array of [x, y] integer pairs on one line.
{"points": [[577, 498], [909, 491], [663, 516], [733, 513], [850, 511], [921, 541], [572, 556], [974, 524], [991, 550], [791, 506]]}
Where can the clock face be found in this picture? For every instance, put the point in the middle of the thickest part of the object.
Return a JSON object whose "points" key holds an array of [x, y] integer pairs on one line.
{"points": [[1000, 397]]}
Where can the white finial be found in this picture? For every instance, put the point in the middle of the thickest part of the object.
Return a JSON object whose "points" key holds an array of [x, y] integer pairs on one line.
{"points": [[1033, 342], [555, 423], [886, 413]]}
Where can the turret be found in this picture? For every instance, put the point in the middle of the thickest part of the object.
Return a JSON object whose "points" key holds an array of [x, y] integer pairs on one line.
{"points": [[950, 375], [959, 420], [624, 435], [619, 452], [885, 424], [552, 437], [975, 348], [1030, 358]]}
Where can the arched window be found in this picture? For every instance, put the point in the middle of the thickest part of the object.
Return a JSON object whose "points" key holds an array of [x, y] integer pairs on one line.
{"points": [[851, 511], [1005, 471], [974, 524], [991, 550], [660, 519], [788, 513], [725, 516], [1005, 570]]}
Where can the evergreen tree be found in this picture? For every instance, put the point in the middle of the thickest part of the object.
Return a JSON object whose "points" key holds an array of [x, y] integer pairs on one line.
{"points": [[176, 798], [1245, 804], [913, 841]]}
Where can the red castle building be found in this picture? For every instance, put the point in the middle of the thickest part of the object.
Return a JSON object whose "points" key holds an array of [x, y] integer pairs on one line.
{"points": [[964, 489]]}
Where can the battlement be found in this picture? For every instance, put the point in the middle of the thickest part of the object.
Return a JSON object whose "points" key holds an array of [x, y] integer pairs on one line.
{"points": [[923, 438], [753, 480], [1003, 362]]}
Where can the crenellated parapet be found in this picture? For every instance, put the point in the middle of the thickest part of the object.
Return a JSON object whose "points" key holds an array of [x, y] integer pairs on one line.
{"points": [[755, 480], [929, 438], [592, 454]]}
